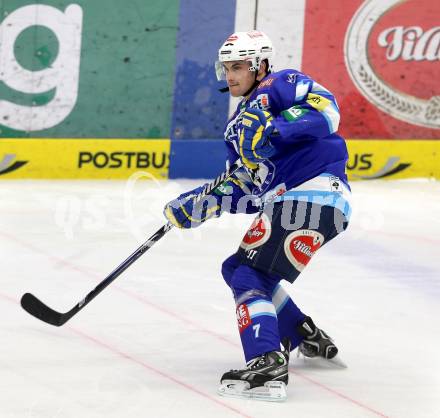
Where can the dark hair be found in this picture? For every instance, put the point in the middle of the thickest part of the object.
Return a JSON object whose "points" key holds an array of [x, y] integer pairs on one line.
{"points": [[267, 66]]}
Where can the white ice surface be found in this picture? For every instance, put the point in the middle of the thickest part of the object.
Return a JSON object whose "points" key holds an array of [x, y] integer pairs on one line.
{"points": [[155, 343]]}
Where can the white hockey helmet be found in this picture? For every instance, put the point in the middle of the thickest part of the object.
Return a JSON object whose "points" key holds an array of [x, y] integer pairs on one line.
{"points": [[253, 46]]}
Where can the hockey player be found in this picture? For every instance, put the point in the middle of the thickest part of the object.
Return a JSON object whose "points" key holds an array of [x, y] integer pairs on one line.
{"points": [[284, 132]]}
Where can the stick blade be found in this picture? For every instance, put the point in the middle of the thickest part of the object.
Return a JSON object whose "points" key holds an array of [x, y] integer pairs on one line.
{"points": [[35, 307]]}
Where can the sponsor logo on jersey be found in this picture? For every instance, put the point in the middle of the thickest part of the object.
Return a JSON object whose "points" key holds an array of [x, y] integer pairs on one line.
{"points": [[318, 102], [392, 51], [247, 122], [294, 113], [335, 184], [8, 165], [266, 83], [261, 102], [301, 245], [276, 192], [243, 317], [257, 234], [225, 189], [123, 159]]}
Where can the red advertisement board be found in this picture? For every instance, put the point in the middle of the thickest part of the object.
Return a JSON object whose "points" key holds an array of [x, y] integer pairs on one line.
{"points": [[381, 58]]}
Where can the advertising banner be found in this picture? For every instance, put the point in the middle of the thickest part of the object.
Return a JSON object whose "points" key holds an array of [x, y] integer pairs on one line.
{"points": [[93, 71], [83, 158], [385, 159], [381, 58], [87, 69]]}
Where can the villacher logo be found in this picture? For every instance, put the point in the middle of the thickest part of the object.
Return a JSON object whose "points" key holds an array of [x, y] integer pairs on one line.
{"points": [[392, 49], [7, 164]]}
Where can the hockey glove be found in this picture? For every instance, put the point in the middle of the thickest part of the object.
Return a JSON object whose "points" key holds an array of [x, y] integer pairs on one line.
{"points": [[254, 143], [182, 212]]}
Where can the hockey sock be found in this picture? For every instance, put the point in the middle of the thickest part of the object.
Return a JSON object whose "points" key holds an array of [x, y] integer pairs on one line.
{"points": [[228, 268], [289, 316], [256, 315]]}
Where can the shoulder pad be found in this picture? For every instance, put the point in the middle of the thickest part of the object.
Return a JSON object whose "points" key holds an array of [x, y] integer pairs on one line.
{"points": [[267, 82], [285, 76]]}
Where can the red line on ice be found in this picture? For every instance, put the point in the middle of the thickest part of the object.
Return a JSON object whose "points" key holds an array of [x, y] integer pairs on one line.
{"points": [[155, 370], [141, 363], [339, 394], [168, 312]]}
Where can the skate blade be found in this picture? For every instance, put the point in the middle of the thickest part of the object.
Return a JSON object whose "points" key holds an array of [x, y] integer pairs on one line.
{"points": [[320, 361], [271, 391], [337, 361]]}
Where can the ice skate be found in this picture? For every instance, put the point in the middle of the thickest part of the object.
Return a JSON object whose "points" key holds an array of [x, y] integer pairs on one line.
{"points": [[264, 378], [317, 344]]}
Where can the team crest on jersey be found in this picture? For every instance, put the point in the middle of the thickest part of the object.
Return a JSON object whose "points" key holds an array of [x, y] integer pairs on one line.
{"points": [[261, 102], [291, 78], [257, 234], [301, 245], [231, 131]]}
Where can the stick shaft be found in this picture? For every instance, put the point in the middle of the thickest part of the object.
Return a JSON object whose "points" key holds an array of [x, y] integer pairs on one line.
{"points": [[35, 307]]}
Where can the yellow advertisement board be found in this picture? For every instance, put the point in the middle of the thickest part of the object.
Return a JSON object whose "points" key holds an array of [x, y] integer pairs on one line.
{"points": [[83, 158], [119, 158], [393, 159]]}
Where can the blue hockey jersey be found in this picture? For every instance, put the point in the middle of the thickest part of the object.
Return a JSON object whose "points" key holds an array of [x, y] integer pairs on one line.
{"points": [[306, 119]]}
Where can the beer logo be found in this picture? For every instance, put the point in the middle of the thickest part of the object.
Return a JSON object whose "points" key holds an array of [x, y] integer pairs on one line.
{"points": [[301, 245], [392, 49], [243, 317], [7, 164], [258, 233]]}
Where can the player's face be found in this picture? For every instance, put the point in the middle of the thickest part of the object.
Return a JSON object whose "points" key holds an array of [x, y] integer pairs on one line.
{"points": [[238, 77]]}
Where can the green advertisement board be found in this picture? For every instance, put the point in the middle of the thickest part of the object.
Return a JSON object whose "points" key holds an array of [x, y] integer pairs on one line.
{"points": [[96, 69]]}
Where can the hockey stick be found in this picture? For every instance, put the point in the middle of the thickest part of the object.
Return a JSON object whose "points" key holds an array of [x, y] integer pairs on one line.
{"points": [[35, 307]]}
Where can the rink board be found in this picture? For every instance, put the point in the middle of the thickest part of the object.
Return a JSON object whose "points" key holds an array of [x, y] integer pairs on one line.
{"points": [[81, 70], [374, 159], [162, 158], [83, 158]]}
